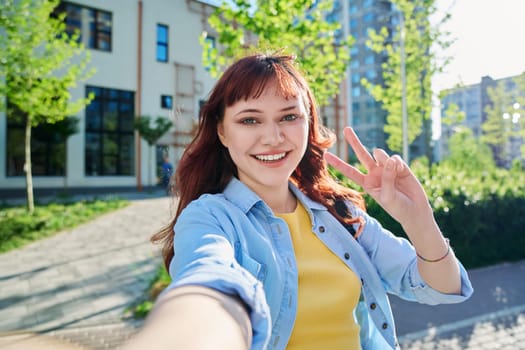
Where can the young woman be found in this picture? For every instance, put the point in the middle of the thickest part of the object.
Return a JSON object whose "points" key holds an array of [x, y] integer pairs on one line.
{"points": [[267, 251]]}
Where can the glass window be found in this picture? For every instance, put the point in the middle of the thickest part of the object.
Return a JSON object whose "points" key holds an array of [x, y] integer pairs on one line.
{"points": [[166, 101], [93, 26], [371, 74], [356, 78], [369, 17], [356, 91], [162, 43], [210, 41], [370, 59], [110, 136], [48, 148]]}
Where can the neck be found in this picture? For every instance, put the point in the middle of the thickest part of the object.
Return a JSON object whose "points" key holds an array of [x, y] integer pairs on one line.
{"points": [[281, 201]]}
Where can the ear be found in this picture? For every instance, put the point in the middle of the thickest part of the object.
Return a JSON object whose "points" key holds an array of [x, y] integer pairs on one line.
{"points": [[220, 133]]}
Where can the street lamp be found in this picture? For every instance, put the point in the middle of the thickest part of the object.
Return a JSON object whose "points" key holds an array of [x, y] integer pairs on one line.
{"points": [[404, 118]]}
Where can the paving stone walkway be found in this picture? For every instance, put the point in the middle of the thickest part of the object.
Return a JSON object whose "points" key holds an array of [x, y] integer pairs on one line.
{"points": [[77, 285]]}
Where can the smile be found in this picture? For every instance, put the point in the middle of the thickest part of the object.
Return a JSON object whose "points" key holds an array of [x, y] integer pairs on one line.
{"points": [[270, 157]]}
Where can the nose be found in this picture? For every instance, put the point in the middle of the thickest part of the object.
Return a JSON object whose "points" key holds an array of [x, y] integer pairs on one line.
{"points": [[272, 134]]}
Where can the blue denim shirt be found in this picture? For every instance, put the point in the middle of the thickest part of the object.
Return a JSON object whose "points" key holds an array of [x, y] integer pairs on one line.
{"points": [[233, 242]]}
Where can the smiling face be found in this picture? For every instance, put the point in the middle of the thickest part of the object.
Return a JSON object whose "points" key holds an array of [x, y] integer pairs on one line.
{"points": [[266, 138]]}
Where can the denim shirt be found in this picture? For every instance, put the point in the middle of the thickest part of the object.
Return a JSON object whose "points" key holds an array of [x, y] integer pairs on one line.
{"points": [[232, 242]]}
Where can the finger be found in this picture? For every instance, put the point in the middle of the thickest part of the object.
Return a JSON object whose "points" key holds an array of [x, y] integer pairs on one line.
{"points": [[380, 156], [360, 151], [400, 166], [346, 169], [388, 181]]}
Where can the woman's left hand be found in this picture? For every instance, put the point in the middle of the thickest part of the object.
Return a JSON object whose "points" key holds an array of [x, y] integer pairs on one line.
{"points": [[388, 180]]}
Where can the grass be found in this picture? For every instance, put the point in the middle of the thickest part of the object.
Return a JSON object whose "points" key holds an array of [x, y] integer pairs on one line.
{"points": [[160, 281], [19, 228]]}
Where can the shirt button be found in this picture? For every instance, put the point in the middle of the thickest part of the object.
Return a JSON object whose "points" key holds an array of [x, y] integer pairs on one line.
{"points": [[373, 306], [347, 256], [321, 229], [385, 325]]}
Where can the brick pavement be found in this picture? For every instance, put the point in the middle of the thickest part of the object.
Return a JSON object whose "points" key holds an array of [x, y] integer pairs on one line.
{"points": [[76, 286], [82, 277]]}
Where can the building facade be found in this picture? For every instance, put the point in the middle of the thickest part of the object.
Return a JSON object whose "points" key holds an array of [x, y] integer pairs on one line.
{"points": [[147, 58], [473, 100]]}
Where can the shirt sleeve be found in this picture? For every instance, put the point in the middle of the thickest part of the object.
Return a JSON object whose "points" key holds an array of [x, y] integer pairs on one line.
{"points": [[205, 256], [396, 262]]}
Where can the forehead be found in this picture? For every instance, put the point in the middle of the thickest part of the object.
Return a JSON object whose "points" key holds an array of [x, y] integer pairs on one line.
{"points": [[271, 97]]}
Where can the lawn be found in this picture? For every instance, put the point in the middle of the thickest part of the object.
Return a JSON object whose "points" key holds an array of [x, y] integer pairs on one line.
{"points": [[18, 227]]}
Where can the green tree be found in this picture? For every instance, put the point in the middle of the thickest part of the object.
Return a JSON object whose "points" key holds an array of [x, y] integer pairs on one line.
{"points": [[151, 130], [520, 100], [291, 27], [468, 153], [498, 128], [411, 46], [40, 63]]}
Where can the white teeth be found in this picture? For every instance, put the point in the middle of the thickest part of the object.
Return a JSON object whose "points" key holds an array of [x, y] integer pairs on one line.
{"points": [[270, 157]]}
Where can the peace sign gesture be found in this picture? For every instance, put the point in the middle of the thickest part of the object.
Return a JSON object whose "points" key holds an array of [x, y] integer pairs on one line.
{"points": [[388, 180]]}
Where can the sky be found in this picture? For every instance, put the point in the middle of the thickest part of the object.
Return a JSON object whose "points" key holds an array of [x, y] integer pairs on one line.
{"points": [[490, 40]]}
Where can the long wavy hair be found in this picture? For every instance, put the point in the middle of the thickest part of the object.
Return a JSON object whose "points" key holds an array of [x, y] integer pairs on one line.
{"points": [[206, 166]]}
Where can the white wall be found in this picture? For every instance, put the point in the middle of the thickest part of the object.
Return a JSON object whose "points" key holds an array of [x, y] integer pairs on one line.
{"points": [[118, 69]]}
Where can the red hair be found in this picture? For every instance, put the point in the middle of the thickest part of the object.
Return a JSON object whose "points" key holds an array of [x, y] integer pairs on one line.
{"points": [[206, 166]]}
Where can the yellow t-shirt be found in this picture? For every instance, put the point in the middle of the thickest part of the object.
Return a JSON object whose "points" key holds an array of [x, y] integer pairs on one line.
{"points": [[328, 292]]}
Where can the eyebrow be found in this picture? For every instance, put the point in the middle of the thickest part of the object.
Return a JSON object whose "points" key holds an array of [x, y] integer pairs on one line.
{"points": [[254, 110]]}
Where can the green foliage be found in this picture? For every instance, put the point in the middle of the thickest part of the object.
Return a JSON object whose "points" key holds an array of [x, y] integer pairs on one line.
{"points": [[497, 130], [453, 115], [295, 27], [468, 153], [482, 212], [420, 40], [152, 129], [40, 64], [158, 283], [18, 227]]}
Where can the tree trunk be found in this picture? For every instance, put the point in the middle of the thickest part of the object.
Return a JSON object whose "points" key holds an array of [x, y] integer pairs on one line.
{"points": [[27, 167]]}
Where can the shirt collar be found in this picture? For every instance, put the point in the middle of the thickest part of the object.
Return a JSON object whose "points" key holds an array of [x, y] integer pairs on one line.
{"points": [[242, 196]]}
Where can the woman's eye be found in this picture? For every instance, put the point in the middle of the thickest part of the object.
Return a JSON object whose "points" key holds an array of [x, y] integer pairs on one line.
{"points": [[289, 117], [248, 121]]}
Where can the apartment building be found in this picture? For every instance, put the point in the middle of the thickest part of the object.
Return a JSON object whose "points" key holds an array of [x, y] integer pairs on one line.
{"points": [[147, 58], [472, 100]]}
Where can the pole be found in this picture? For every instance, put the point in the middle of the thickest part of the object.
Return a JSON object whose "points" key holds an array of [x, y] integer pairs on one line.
{"points": [[404, 111]]}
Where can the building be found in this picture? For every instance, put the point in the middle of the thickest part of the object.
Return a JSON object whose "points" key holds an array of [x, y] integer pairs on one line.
{"points": [[365, 114], [147, 57], [472, 100]]}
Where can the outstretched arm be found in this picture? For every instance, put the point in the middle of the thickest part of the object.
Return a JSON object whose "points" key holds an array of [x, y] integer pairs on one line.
{"points": [[194, 317], [392, 184]]}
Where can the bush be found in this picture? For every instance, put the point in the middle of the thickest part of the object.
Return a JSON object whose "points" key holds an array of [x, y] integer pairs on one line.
{"points": [[483, 214]]}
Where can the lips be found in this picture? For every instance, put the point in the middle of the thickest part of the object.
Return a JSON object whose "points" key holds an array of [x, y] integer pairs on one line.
{"points": [[270, 157]]}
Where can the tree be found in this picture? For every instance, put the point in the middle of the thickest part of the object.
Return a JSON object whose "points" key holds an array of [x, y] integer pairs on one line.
{"points": [[151, 131], [296, 27], [467, 152], [498, 130], [520, 100], [411, 46], [40, 64]]}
